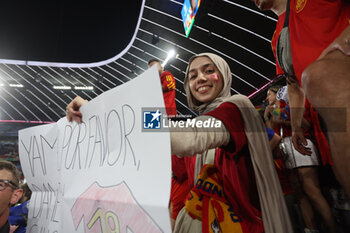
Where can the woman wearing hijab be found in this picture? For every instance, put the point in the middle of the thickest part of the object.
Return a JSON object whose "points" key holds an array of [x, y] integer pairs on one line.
{"points": [[239, 174]]}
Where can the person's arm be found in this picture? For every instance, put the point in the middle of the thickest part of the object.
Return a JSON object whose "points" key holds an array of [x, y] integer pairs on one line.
{"points": [[189, 141], [168, 81], [274, 141], [268, 116], [73, 109], [269, 123], [280, 121], [274, 120], [296, 98], [342, 43], [304, 123], [274, 144]]}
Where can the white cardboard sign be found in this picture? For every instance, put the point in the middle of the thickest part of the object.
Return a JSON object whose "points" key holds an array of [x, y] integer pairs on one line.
{"points": [[105, 174]]}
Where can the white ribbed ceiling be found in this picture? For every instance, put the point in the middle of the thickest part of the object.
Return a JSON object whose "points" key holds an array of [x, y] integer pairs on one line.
{"points": [[235, 30]]}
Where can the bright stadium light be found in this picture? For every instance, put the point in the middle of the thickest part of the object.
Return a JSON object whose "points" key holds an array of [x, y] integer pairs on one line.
{"points": [[83, 87], [62, 87], [171, 54], [15, 85]]}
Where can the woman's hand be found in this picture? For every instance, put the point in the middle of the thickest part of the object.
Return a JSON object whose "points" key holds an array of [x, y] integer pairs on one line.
{"points": [[268, 112], [300, 143], [73, 109]]}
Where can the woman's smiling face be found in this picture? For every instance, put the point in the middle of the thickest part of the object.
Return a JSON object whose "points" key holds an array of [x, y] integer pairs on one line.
{"points": [[205, 80]]}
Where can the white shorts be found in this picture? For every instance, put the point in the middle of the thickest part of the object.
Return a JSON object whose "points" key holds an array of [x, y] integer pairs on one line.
{"points": [[295, 159]]}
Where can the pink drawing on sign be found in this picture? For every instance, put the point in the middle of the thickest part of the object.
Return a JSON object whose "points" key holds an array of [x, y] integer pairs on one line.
{"points": [[111, 209]]}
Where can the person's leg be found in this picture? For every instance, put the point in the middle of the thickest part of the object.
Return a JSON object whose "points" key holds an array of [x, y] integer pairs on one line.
{"points": [[327, 86], [310, 183], [306, 210]]}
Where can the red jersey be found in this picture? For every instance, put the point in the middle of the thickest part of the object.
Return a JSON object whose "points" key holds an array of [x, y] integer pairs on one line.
{"points": [[183, 168], [178, 168], [178, 194], [235, 169], [313, 25], [168, 82], [190, 163]]}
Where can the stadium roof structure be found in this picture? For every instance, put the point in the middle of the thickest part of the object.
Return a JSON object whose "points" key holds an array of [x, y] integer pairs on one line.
{"points": [[101, 45]]}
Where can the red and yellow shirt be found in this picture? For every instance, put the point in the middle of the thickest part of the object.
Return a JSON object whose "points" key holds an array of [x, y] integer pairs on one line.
{"points": [[168, 82]]}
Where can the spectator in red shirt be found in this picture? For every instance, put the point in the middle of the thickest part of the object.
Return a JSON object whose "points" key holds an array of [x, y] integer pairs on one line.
{"points": [[168, 87]]}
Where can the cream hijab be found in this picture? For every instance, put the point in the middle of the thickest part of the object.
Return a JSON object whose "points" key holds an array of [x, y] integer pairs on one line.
{"points": [[273, 208]]}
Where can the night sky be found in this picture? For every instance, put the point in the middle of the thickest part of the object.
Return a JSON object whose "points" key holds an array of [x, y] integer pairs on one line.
{"points": [[66, 31]]}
